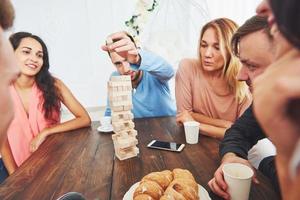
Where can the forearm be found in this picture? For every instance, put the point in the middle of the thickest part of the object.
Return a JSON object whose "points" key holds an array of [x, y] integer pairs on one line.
{"points": [[78, 122], [8, 158], [242, 135], [211, 121], [212, 131], [156, 66]]}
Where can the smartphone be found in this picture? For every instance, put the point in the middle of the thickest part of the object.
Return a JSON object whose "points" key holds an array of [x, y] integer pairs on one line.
{"points": [[169, 146]]}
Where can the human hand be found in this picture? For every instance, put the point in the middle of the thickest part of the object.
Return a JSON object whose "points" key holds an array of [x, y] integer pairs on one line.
{"points": [[123, 46], [218, 185], [37, 141], [184, 116]]}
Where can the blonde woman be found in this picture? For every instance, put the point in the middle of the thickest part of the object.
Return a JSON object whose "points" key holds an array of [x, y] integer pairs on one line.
{"points": [[206, 88]]}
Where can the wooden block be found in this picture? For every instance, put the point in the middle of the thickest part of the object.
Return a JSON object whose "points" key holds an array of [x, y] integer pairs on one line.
{"points": [[120, 88], [123, 154], [120, 78], [132, 132], [122, 126], [120, 103], [123, 143], [117, 93], [117, 108], [116, 84], [127, 107], [124, 115]]}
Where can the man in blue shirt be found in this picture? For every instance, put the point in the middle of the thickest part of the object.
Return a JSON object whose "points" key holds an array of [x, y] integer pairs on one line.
{"points": [[150, 75]]}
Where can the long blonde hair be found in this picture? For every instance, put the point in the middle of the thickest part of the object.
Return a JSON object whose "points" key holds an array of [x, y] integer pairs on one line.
{"points": [[225, 28]]}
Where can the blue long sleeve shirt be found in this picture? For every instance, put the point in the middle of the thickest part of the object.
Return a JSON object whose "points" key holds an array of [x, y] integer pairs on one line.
{"points": [[152, 97]]}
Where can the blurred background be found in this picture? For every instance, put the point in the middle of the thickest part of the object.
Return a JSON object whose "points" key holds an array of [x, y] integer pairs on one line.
{"points": [[74, 31]]}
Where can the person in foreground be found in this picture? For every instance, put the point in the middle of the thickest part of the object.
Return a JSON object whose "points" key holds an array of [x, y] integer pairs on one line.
{"points": [[206, 88], [150, 75], [277, 93], [8, 73], [37, 98], [254, 46]]}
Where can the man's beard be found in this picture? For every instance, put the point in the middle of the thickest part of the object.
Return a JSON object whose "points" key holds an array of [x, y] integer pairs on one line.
{"points": [[7, 14]]}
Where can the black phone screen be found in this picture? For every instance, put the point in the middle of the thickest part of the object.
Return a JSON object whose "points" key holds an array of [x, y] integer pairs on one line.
{"points": [[166, 145]]}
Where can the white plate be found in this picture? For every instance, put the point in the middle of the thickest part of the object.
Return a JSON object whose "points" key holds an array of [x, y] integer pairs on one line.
{"points": [[203, 194], [105, 129]]}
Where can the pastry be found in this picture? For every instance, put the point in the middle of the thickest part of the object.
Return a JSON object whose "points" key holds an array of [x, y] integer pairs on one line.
{"points": [[151, 188], [166, 185], [182, 173], [163, 178]]}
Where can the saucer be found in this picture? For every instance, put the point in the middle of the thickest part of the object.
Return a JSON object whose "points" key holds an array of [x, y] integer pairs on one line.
{"points": [[105, 129]]}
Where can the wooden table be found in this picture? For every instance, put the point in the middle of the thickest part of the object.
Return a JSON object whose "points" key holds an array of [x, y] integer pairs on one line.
{"points": [[84, 161]]}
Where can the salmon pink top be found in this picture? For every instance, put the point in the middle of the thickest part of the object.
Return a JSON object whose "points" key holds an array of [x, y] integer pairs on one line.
{"points": [[24, 127]]}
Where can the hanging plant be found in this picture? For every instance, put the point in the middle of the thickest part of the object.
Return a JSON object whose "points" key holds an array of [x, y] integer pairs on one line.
{"points": [[140, 17]]}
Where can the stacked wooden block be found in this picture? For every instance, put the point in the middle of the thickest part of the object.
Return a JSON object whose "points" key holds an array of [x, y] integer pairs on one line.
{"points": [[120, 101]]}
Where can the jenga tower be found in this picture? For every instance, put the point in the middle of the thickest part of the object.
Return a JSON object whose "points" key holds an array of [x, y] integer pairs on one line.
{"points": [[120, 100]]}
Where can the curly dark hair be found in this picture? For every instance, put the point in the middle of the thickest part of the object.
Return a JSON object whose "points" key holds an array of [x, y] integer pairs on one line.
{"points": [[44, 80]]}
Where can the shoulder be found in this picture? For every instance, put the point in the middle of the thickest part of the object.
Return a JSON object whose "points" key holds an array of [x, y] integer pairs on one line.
{"points": [[188, 65], [59, 84]]}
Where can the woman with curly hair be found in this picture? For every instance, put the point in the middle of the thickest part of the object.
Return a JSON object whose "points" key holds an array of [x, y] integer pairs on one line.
{"points": [[206, 88], [37, 98]]}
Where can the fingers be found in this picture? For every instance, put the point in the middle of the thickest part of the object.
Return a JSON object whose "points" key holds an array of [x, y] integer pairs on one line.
{"points": [[184, 116], [122, 43], [32, 147], [119, 43], [133, 52], [219, 179], [122, 46], [104, 48], [118, 36], [178, 119], [217, 189]]}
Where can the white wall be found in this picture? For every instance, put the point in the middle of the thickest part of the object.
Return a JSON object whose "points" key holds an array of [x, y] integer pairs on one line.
{"points": [[238, 10], [75, 29]]}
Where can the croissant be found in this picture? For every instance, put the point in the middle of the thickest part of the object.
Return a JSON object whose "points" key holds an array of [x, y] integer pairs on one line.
{"points": [[143, 197], [150, 188], [166, 185], [181, 191], [182, 173], [163, 178]]}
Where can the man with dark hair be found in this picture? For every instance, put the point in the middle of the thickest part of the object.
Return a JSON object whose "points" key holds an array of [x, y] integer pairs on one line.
{"points": [[150, 75], [253, 45], [8, 73]]}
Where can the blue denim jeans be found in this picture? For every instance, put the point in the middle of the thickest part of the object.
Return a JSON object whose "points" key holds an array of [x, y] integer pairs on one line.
{"points": [[3, 171]]}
